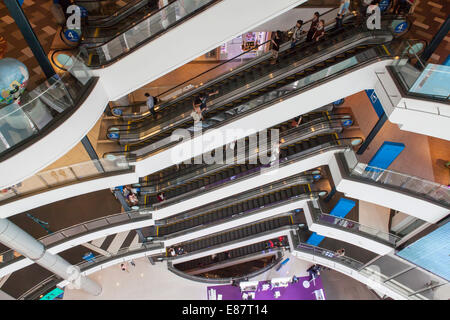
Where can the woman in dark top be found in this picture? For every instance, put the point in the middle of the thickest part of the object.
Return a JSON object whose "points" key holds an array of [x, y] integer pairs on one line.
{"points": [[276, 42], [312, 29], [320, 30]]}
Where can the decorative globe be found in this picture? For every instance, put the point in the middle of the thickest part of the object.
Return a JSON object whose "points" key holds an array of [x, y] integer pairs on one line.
{"points": [[13, 80]]}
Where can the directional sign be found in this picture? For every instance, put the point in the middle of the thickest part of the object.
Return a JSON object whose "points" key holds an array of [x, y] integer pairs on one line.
{"points": [[113, 135], [72, 35], [401, 27], [384, 4]]}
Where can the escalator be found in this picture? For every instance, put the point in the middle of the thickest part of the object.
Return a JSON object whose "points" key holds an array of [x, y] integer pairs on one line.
{"points": [[102, 8], [253, 89], [269, 196], [186, 180], [241, 252], [138, 111], [98, 30], [227, 84], [117, 36], [238, 234]]}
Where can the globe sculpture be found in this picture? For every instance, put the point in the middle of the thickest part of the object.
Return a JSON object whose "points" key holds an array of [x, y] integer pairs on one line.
{"points": [[13, 80]]}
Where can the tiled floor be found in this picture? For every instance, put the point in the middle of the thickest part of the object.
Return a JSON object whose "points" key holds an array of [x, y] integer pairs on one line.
{"points": [[427, 18], [423, 156], [41, 19]]}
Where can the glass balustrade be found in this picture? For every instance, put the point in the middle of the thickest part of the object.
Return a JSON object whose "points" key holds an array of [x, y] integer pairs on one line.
{"points": [[421, 79], [353, 226], [36, 110], [55, 178], [415, 185], [142, 31]]}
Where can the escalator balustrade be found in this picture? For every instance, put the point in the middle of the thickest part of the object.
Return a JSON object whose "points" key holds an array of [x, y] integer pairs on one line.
{"points": [[241, 233]]}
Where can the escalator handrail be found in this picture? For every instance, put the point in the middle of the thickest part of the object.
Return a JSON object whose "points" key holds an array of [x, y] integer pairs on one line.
{"points": [[303, 129], [206, 85], [343, 143], [253, 236], [277, 251], [237, 198], [352, 32], [119, 12], [188, 230], [151, 37], [229, 60], [379, 57]]}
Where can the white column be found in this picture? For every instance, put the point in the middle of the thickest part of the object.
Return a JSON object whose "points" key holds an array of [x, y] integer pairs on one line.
{"points": [[17, 239]]}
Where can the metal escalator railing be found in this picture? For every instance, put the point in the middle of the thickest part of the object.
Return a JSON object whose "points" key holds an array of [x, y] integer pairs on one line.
{"points": [[256, 193], [182, 173], [122, 13], [314, 146], [247, 84], [264, 100], [279, 257], [233, 236], [211, 177], [201, 82], [143, 32], [221, 216], [227, 257]]}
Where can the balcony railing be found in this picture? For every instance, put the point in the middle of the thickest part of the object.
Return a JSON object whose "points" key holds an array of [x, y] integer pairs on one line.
{"points": [[428, 189], [54, 178], [355, 227], [52, 239], [44, 106]]}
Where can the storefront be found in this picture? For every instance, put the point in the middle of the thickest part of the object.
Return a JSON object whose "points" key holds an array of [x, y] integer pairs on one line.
{"points": [[239, 45]]}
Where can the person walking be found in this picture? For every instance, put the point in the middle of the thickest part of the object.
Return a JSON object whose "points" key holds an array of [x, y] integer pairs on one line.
{"points": [[276, 43], [343, 9], [340, 253], [150, 103], [312, 28], [203, 100], [124, 267], [197, 114], [296, 33]]}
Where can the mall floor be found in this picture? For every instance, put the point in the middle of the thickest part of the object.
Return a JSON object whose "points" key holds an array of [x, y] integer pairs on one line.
{"points": [[423, 156], [140, 282]]}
